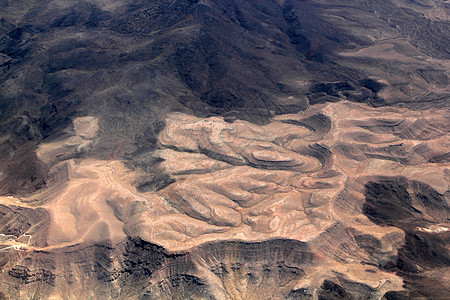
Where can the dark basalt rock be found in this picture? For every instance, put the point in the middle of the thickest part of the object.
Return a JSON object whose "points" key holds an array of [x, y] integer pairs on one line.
{"points": [[156, 183], [300, 294], [273, 265], [432, 37], [180, 287], [17, 221], [331, 290], [444, 158], [371, 85], [23, 273], [276, 263], [401, 203], [320, 152], [23, 173], [368, 243], [389, 202]]}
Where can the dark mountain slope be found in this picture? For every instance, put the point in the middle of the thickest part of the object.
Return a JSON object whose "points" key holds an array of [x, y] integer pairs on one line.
{"points": [[135, 61]]}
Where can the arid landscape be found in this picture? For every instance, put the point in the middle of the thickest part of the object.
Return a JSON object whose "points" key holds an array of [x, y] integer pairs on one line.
{"points": [[224, 149]]}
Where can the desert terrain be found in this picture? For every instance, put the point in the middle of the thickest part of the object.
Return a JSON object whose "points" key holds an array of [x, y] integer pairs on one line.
{"points": [[211, 150]]}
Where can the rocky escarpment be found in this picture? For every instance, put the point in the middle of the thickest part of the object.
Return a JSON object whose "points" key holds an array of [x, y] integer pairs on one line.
{"points": [[422, 214], [225, 270]]}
